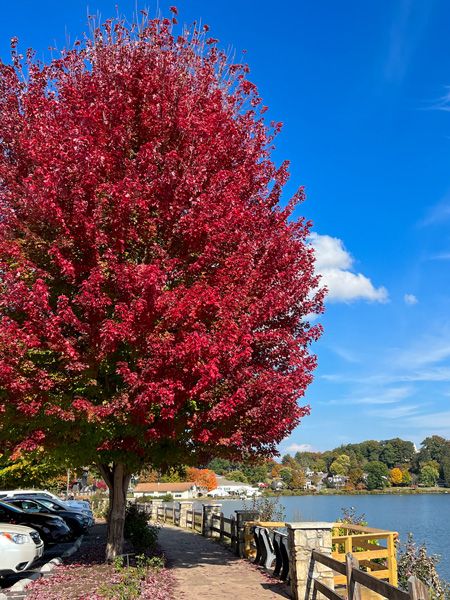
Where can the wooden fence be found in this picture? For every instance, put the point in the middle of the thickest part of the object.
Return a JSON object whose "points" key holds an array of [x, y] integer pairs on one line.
{"points": [[362, 558], [373, 548], [360, 584]]}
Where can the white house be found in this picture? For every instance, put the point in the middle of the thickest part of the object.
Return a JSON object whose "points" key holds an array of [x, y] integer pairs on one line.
{"points": [[225, 487], [180, 491]]}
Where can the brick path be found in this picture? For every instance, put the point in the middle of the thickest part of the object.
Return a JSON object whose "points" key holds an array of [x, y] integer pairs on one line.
{"points": [[204, 570]]}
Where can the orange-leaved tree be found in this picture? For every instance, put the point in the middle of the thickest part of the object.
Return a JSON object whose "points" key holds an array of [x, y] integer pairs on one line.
{"points": [[204, 478]]}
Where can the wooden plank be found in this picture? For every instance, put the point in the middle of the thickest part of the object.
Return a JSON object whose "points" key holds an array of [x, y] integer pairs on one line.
{"points": [[380, 587], [227, 521], [362, 528], [325, 590], [361, 537], [417, 589], [330, 562], [353, 588]]}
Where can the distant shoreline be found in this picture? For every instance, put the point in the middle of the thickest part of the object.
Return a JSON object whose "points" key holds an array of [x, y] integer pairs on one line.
{"points": [[331, 492], [385, 492]]}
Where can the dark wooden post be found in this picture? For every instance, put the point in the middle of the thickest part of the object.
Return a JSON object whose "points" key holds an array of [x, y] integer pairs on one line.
{"points": [[417, 589], [353, 588], [241, 517]]}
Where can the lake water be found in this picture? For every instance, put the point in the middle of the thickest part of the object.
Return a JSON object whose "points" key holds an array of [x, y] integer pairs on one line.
{"points": [[427, 516]]}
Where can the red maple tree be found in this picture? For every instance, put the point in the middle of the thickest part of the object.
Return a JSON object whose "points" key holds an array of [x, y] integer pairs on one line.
{"points": [[153, 294]]}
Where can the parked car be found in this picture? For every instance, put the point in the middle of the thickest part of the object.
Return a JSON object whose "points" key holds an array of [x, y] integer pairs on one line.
{"points": [[29, 492], [80, 505], [20, 546], [63, 505], [51, 528], [77, 522]]}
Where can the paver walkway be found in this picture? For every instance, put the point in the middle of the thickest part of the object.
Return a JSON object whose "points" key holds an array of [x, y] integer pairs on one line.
{"points": [[204, 570]]}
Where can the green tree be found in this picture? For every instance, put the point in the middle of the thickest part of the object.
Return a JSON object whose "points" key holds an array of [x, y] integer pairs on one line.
{"points": [[429, 474], [237, 476], [286, 476], [377, 475], [341, 465], [406, 477]]}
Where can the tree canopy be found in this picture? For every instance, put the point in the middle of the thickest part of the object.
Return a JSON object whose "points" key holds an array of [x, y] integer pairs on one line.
{"points": [[154, 297]]}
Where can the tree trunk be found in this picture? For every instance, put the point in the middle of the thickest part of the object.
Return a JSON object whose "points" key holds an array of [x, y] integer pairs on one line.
{"points": [[117, 478]]}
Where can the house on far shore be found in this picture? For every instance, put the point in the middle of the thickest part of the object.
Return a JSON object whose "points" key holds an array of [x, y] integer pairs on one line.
{"points": [[180, 491], [225, 487]]}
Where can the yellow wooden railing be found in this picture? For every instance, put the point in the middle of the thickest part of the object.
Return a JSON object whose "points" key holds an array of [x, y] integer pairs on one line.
{"points": [[373, 548]]}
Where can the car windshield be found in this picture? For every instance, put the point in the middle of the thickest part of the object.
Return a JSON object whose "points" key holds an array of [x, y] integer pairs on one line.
{"points": [[49, 504]]}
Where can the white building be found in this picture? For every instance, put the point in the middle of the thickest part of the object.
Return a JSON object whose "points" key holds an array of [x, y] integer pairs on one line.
{"points": [[225, 487], [179, 491]]}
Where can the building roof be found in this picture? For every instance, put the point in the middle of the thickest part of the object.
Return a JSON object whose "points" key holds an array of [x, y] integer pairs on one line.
{"points": [[221, 481], [165, 488]]}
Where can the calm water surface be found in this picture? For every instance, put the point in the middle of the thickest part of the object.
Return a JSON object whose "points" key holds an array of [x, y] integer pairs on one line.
{"points": [[427, 516]]}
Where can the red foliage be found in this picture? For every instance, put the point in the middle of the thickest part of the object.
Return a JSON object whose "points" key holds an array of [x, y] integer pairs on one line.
{"points": [[153, 294]]}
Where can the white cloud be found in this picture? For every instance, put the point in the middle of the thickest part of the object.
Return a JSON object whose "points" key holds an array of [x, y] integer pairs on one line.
{"points": [[430, 374], [334, 263], [382, 396], [396, 412], [438, 213], [431, 421], [300, 448], [410, 299]]}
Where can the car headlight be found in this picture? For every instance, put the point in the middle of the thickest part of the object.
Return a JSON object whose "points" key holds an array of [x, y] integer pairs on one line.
{"points": [[79, 518], [17, 538]]}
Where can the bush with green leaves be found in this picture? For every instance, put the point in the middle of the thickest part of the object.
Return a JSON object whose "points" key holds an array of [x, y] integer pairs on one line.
{"points": [[139, 531], [128, 579]]}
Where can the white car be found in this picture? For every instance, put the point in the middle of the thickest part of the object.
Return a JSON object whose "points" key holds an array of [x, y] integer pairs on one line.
{"points": [[20, 546]]}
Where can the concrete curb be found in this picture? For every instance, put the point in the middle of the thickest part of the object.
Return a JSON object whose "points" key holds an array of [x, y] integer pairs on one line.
{"points": [[19, 586], [48, 567], [73, 548]]}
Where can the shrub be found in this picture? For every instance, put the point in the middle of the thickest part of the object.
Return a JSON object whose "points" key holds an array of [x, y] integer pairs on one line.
{"points": [[269, 508], [128, 580], [415, 560], [138, 531]]}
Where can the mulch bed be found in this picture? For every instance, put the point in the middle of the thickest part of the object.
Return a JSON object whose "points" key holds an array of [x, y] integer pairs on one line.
{"points": [[82, 575]]}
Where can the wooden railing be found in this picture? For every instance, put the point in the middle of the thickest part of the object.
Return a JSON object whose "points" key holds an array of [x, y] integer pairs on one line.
{"points": [[362, 557], [357, 582], [194, 520], [373, 548], [225, 528]]}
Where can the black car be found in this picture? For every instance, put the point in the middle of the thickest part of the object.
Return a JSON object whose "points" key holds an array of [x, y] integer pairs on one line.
{"points": [[77, 522], [51, 528]]}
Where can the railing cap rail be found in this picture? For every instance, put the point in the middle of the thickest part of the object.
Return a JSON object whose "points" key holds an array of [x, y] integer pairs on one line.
{"points": [[362, 528]]}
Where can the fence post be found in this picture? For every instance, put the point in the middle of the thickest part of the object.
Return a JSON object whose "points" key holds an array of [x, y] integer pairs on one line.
{"points": [[184, 507], [353, 588], [221, 527], [304, 537], [208, 511], [156, 504], [417, 589], [392, 560], [241, 517]]}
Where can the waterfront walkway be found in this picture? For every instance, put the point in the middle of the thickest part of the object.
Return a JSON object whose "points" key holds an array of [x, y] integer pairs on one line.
{"points": [[204, 570]]}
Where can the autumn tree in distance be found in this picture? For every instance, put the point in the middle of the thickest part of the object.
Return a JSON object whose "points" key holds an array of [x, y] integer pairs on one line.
{"points": [[154, 296]]}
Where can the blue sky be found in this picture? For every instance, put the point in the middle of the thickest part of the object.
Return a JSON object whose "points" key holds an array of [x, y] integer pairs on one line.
{"points": [[361, 88]]}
